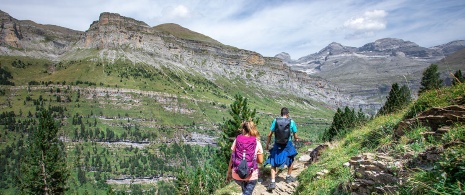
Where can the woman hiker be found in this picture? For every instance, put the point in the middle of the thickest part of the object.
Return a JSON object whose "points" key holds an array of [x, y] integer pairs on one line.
{"points": [[246, 146]]}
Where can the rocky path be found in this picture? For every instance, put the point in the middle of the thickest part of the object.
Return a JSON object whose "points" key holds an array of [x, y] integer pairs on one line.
{"points": [[282, 187]]}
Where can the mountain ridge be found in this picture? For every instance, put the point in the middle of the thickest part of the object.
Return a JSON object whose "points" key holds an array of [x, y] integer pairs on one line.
{"points": [[368, 71], [326, 76]]}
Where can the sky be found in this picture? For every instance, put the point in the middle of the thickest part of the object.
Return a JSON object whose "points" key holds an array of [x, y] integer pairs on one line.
{"points": [[269, 27]]}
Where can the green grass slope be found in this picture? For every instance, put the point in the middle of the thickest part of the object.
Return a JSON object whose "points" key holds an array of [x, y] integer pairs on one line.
{"points": [[184, 33], [445, 175], [102, 108]]}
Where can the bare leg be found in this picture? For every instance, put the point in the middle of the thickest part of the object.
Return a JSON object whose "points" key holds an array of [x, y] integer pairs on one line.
{"points": [[272, 184], [289, 169], [273, 172]]}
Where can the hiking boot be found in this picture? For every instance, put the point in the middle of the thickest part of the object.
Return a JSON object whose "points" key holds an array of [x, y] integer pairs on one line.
{"points": [[271, 186], [290, 179]]}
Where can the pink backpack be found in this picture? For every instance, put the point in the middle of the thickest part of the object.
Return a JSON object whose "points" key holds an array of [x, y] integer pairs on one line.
{"points": [[244, 159]]}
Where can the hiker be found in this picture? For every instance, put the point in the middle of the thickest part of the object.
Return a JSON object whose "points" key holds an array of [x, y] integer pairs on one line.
{"points": [[283, 151], [246, 146]]}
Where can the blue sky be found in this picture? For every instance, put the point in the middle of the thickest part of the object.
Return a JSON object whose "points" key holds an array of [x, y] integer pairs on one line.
{"points": [[269, 27]]}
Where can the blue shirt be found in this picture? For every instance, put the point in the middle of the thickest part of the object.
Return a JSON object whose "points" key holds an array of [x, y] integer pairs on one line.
{"points": [[293, 128]]}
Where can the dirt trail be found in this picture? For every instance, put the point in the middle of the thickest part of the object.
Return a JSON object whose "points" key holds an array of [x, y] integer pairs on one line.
{"points": [[282, 187]]}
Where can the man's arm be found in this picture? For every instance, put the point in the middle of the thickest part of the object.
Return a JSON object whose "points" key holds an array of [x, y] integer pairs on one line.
{"points": [[294, 130], [295, 137]]}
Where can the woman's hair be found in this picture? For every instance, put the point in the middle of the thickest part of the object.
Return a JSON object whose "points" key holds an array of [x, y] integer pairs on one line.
{"points": [[248, 127]]}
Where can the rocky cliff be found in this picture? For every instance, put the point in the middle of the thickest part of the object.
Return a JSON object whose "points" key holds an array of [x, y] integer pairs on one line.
{"points": [[118, 37], [29, 38], [337, 75], [366, 73]]}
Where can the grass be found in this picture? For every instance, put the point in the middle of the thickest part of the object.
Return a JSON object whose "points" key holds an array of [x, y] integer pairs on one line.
{"points": [[165, 103], [377, 136]]}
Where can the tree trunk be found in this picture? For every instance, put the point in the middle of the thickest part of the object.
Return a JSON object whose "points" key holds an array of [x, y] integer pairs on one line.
{"points": [[44, 174]]}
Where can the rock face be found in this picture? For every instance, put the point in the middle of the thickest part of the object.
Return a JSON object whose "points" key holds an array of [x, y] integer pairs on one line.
{"points": [[380, 173], [337, 75], [112, 31], [116, 37], [284, 56], [34, 39], [437, 118], [366, 73], [374, 173]]}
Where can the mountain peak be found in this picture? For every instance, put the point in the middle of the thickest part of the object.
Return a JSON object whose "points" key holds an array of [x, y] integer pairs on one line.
{"points": [[109, 19], [336, 48], [388, 44], [284, 56]]}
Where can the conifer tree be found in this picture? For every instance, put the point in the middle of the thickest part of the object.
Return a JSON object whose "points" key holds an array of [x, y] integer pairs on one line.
{"points": [[397, 98], [43, 167], [343, 121], [430, 79]]}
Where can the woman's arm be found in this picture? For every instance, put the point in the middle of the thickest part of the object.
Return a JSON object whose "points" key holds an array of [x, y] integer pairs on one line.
{"points": [[228, 174], [260, 158]]}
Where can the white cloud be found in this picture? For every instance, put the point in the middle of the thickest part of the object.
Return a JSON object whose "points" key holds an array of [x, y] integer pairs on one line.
{"points": [[370, 21], [179, 11], [269, 27]]}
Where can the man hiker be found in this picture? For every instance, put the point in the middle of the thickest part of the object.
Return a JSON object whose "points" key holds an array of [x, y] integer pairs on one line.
{"points": [[283, 151]]}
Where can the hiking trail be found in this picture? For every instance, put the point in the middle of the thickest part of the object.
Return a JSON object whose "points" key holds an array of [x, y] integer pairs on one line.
{"points": [[282, 187]]}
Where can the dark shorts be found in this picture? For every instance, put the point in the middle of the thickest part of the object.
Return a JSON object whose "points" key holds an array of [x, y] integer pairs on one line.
{"points": [[247, 186]]}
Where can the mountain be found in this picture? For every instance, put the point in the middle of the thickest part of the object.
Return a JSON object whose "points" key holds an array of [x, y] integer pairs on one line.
{"points": [[119, 37], [367, 72], [337, 75], [27, 37], [138, 104], [129, 96]]}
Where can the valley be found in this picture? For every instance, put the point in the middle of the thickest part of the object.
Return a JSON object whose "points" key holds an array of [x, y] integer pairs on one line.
{"points": [[138, 108]]}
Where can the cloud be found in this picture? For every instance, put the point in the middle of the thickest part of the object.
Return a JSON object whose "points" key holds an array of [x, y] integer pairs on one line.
{"points": [[179, 11], [297, 27], [370, 21]]}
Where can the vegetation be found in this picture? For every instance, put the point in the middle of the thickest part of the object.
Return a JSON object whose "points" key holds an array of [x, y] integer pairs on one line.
{"points": [[5, 77], [343, 122], [43, 167], [377, 135], [209, 178], [397, 99], [430, 79], [458, 78], [122, 122], [184, 33]]}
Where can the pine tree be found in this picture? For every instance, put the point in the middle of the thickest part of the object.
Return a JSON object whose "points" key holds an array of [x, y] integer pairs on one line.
{"points": [[43, 167], [343, 121], [397, 98], [430, 79], [239, 112]]}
